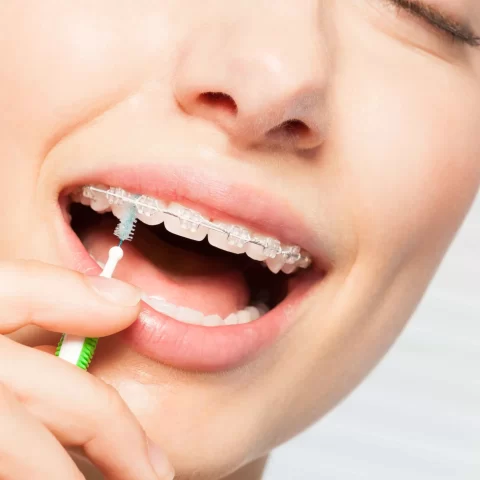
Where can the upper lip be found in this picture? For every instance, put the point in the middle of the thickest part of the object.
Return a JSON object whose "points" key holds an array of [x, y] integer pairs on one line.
{"points": [[207, 193]]}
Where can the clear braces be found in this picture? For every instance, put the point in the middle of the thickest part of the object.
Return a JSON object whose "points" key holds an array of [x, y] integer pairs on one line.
{"points": [[192, 221]]}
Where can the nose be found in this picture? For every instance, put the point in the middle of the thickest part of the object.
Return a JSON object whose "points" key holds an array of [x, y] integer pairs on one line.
{"points": [[260, 85]]}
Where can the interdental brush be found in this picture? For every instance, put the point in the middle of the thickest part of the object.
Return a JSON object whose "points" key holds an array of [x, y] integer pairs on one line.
{"points": [[80, 350]]}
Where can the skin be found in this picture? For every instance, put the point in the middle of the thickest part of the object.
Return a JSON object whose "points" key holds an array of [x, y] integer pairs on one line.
{"points": [[391, 110]]}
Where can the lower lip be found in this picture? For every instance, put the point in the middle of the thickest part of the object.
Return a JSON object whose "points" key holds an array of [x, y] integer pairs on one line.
{"points": [[194, 347]]}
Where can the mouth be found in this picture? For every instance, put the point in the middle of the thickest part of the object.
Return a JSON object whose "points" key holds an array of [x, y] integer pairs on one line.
{"points": [[217, 292]]}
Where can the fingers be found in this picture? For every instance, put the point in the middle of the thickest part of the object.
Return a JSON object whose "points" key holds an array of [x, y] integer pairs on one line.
{"points": [[61, 300], [63, 403], [27, 449], [81, 410]]}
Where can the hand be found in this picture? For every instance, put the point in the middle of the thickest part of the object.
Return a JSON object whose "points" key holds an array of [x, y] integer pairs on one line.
{"points": [[46, 404]]}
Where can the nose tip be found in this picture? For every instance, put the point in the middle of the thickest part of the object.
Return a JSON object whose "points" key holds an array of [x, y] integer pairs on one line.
{"points": [[257, 99]]}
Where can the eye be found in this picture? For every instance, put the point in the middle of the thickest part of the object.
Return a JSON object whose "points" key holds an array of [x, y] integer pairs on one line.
{"points": [[437, 20]]}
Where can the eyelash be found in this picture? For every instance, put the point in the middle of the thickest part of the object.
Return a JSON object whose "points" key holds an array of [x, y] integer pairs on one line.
{"points": [[454, 37]]}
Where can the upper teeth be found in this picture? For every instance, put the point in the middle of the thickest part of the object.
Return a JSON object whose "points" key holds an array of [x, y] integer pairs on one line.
{"points": [[191, 224]]}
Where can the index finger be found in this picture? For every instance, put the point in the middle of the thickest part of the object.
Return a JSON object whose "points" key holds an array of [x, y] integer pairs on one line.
{"points": [[61, 300]]}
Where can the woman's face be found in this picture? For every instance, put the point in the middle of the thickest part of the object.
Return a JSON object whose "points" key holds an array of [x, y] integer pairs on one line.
{"points": [[349, 128]]}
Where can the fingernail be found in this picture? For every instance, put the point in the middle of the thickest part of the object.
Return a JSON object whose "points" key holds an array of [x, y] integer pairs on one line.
{"points": [[115, 291], [160, 463]]}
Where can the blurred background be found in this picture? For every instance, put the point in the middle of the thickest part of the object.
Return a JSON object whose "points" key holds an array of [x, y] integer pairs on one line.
{"points": [[417, 417]]}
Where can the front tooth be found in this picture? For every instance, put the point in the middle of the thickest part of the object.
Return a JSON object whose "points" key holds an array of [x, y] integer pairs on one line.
{"points": [[86, 191], [221, 239], [272, 248], [254, 313], [232, 319], [118, 205], [99, 203], [120, 209], [276, 264], [238, 237], [160, 305], [213, 321], [115, 196], [257, 250], [244, 316], [262, 309], [288, 268], [150, 210], [188, 315], [305, 261], [185, 222], [77, 195], [292, 254], [154, 301]]}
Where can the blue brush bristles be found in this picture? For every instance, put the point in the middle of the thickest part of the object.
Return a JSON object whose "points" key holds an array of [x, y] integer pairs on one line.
{"points": [[126, 228]]}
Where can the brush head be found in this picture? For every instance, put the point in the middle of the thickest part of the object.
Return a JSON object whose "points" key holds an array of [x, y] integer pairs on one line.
{"points": [[126, 228]]}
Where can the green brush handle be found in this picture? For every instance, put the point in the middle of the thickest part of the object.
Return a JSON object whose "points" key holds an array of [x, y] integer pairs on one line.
{"points": [[86, 350], [80, 350]]}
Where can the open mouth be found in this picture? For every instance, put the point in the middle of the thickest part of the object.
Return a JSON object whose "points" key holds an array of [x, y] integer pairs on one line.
{"points": [[209, 283]]}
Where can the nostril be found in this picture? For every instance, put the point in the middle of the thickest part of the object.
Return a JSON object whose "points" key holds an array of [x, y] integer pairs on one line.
{"points": [[219, 100], [295, 128], [292, 129]]}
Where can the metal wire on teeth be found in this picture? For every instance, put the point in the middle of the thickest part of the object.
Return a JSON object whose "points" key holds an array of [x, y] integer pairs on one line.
{"points": [[191, 220]]}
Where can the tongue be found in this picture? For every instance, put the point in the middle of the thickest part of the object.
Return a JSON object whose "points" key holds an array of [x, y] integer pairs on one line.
{"points": [[206, 284]]}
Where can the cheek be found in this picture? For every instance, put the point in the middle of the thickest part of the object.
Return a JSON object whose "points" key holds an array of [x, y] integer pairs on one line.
{"points": [[70, 62], [63, 65], [411, 153]]}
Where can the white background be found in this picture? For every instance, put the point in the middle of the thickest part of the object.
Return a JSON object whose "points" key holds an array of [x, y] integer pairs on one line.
{"points": [[417, 417]]}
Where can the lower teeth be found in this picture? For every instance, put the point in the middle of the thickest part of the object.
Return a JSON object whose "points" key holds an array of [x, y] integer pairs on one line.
{"points": [[194, 317]]}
